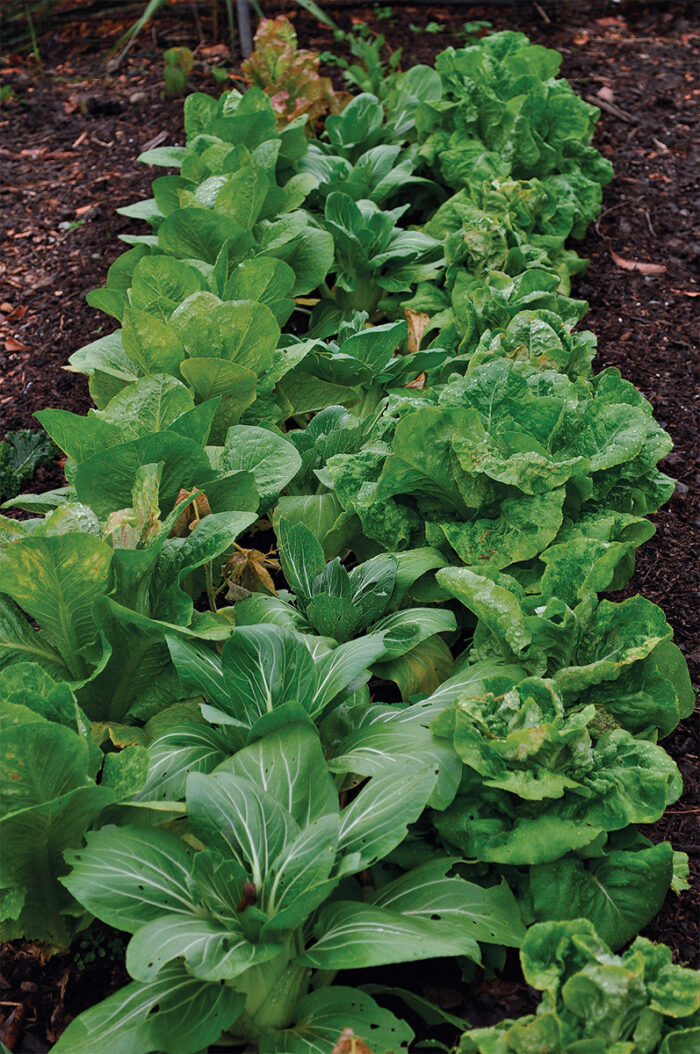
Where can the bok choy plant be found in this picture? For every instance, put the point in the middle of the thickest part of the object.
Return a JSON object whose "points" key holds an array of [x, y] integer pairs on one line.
{"points": [[246, 921]]}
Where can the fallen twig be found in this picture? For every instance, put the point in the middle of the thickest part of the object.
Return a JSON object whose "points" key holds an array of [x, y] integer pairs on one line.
{"points": [[611, 108]]}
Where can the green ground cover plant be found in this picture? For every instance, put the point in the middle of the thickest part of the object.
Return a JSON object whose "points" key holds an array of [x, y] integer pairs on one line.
{"points": [[314, 637]]}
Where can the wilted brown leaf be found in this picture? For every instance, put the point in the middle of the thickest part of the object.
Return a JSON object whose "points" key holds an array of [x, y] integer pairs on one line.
{"points": [[637, 265], [214, 51], [248, 571], [189, 517], [14, 345], [417, 325], [13, 1025]]}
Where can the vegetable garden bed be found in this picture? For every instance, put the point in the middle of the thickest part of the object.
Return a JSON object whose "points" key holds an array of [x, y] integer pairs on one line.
{"points": [[429, 416]]}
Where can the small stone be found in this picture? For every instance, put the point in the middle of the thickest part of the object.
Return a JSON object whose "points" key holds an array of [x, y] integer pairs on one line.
{"points": [[137, 98]]}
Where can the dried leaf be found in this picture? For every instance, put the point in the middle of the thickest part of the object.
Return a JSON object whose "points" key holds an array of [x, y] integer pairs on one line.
{"points": [[418, 383], [248, 571], [214, 51], [637, 265], [14, 345], [417, 325], [12, 1027], [189, 517]]}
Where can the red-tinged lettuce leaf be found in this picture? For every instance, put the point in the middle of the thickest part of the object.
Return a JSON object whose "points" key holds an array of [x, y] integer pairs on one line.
{"points": [[289, 74]]}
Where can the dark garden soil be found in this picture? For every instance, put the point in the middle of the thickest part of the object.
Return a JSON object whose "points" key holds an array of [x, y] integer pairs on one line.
{"points": [[68, 145]]}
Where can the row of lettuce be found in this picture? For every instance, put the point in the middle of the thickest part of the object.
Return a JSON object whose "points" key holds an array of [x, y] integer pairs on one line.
{"points": [[268, 765]]}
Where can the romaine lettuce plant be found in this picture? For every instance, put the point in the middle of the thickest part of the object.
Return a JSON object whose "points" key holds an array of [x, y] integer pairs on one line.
{"points": [[54, 784], [540, 782], [503, 112], [618, 657], [144, 528], [495, 467]]}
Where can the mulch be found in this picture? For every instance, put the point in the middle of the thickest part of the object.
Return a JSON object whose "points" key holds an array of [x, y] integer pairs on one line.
{"points": [[68, 145]]}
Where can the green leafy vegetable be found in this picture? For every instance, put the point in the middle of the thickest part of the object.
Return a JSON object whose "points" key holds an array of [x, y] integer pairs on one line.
{"points": [[21, 454], [349, 365], [289, 74], [249, 909], [634, 1002]]}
